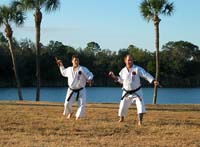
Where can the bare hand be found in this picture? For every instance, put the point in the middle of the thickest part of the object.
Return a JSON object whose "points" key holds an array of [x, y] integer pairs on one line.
{"points": [[112, 75], [90, 82], [59, 62], [156, 83]]}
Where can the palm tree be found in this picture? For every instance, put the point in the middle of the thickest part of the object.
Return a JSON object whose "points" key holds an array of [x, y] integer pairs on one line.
{"points": [[150, 10], [37, 5], [11, 14]]}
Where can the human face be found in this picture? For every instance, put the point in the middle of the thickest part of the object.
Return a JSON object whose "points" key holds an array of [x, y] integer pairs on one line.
{"points": [[128, 61], [75, 62]]}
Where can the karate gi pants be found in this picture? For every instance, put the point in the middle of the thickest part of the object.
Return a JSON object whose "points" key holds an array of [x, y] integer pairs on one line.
{"points": [[81, 103], [131, 99]]}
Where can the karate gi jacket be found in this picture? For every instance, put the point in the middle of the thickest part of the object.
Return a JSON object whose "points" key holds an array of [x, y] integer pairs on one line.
{"points": [[77, 79], [131, 79]]}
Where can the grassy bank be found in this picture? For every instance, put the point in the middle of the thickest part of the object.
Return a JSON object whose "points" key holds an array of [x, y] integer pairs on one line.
{"points": [[42, 124]]}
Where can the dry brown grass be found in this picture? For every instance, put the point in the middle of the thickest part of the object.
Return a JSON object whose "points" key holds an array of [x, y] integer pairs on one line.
{"points": [[34, 124]]}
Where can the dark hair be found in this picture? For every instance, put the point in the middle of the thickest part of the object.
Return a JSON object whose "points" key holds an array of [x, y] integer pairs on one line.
{"points": [[127, 56], [74, 56]]}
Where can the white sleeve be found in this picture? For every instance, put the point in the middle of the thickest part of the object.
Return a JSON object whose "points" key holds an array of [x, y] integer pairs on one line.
{"points": [[87, 74], [63, 71], [145, 75], [119, 78]]}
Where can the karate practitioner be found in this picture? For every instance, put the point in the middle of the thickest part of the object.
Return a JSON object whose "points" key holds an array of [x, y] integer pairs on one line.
{"points": [[129, 77], [77, 77]]}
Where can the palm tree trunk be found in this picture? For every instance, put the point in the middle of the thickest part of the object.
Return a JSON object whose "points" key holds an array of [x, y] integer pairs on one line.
{"points": [[156, 25], [15, 69], [38, 18]]}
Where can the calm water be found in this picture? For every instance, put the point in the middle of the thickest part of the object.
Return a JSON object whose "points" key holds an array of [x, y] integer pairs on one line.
{"points": [[108, 95]]}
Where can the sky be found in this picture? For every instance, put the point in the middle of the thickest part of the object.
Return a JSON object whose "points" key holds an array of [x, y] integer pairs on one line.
{"points": [[113, 24]]}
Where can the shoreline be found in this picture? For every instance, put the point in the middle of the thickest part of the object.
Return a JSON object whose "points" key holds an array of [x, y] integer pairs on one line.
{"points": [[161, 107]]}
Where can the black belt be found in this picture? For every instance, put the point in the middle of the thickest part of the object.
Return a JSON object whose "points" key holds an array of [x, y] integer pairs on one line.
{"points": [[76, 91], [130, 92]]}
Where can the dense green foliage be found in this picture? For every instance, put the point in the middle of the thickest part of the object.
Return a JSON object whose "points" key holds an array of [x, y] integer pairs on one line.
{"points": [[179, 63]]}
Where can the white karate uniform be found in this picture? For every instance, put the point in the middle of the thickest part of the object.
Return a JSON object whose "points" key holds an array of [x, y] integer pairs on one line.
{"points": [[131, 81], [76, 80]]}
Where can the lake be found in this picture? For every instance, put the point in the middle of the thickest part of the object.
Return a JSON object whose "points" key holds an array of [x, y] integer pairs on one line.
{"points": [[107, 95]]}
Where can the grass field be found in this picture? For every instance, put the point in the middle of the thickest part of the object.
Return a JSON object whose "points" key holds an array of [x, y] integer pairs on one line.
{"points": [[33, 124]]}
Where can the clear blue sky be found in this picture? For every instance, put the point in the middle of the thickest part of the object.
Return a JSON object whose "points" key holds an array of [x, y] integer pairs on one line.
{"points": [[114, 24]]}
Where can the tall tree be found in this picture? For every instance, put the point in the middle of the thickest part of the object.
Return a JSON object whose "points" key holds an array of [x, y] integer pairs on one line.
{"points": [[11, 14], [93, 47], [37, 5], [150, 10]]}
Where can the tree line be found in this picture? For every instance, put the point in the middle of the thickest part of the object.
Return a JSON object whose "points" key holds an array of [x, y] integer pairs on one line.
{"points": [[179, 63]]}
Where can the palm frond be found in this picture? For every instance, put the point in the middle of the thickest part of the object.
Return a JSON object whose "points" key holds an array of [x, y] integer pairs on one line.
{"points": [[5, 14], [157, 5], [15, 4], [19, 18], [168, 9], [11, 13], [52, 5], [1, 17], [49, 5], [151, 8], [40, 4], [146, 10], [28, 4], [17, 15]]}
